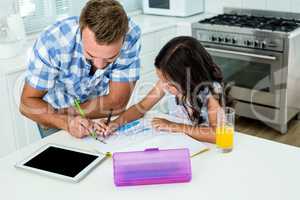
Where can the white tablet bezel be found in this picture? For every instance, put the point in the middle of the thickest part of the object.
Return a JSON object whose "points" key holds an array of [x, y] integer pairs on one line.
{"points": [[75, 179]]}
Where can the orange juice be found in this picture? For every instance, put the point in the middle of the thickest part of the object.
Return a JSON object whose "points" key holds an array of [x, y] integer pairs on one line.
{"points": [[224, 137]]}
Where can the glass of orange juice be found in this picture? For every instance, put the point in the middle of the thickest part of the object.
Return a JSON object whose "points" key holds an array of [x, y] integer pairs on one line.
{"points": [[225, 129]]}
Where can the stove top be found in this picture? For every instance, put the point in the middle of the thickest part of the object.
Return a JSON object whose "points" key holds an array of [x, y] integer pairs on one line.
{"points": [[255, 22]]}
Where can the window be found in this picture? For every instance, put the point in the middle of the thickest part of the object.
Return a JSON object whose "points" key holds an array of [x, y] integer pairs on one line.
{"points": [[62, 7], [38, 14]]}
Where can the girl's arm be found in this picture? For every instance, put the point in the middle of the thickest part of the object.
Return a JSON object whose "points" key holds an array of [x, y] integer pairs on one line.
{"points": [[135, 111], [205, 134]]}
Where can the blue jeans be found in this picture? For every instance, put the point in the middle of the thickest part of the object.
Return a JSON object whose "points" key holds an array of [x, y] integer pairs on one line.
{"points": [[44, 132]]}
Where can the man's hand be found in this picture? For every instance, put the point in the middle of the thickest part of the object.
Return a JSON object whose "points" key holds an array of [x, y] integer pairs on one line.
{"points": [[79, 127]]}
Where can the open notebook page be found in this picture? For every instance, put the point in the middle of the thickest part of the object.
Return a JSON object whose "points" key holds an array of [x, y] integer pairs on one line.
{"points": [[139, 135]]}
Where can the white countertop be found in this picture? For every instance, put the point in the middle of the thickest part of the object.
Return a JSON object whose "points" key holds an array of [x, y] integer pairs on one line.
{"points": [[255, 169], [147, 23]]}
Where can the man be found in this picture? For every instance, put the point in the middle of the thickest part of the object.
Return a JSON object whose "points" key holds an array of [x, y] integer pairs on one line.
{"points": [[94, 59]]}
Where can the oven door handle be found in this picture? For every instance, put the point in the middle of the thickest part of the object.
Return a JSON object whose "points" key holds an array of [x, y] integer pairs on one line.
{"points": [[242, 54]]}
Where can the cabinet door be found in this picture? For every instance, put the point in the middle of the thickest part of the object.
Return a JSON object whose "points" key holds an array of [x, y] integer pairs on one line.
{"points": [[143, 87], [165, 36], [7, 141], [25, 130], [184, 29], [147, 63], [151, 45]]}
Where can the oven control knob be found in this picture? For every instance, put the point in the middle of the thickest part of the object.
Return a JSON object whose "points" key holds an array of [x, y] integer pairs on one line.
{"points": [[249, 43], [213, 38], [233, 41], [227, 40], [220, 39], [256, 43], [263, 45]]}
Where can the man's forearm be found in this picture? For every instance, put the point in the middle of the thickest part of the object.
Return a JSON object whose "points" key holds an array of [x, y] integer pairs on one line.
{"points": [[42, 113], [96, 108]]}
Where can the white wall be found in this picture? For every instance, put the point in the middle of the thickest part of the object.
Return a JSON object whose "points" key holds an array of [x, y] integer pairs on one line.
{"points": [[5, 7], [76, 6], [131, 5], [216, 6]]}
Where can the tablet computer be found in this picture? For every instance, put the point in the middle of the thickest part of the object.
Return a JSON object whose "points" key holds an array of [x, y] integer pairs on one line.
{"points": [[61, 162]]}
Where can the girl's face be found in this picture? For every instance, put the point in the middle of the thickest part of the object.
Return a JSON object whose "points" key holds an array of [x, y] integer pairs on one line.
{"points": [[168, 85]]}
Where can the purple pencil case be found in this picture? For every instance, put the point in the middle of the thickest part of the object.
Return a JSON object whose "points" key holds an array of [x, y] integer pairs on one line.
{"points": [[152, 166]]}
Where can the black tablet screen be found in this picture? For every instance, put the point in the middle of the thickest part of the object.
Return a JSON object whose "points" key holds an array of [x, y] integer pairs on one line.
{"points": [[61, 161]]}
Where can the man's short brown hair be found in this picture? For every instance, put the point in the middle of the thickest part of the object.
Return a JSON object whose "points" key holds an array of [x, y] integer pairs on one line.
{"points": [[106, 18]]}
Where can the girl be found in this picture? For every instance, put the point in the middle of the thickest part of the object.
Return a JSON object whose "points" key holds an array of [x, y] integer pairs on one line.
{"points": [[186, 71]]}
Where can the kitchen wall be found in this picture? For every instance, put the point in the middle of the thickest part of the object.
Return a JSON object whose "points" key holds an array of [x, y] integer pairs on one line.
{"points": [[215, 6], [5, 7], [131, 5], [76, 6]]}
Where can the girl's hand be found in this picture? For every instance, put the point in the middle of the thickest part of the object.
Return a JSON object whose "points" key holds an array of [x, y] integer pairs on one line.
{"points": [[163, 124], [104, 130]]}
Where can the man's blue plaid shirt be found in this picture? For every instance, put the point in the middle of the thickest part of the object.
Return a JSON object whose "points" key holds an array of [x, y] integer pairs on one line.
{"points": [[57, 65]]}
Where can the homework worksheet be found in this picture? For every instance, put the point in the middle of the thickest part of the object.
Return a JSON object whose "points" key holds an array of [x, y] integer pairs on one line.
{"points": [[139, 135]]}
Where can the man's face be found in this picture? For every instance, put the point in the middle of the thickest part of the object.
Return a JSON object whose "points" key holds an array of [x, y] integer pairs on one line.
{"points": [[101, 55]]}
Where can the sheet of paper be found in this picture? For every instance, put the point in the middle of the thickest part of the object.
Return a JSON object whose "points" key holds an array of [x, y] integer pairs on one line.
{"points": [[139, 135]]}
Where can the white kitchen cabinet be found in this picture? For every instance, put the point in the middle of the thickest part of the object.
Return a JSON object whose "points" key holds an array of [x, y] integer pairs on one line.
{"points": [[148, 43], [144, 85], [278, 5], [232, 3], [25, 130], [295, 6], [147, 62], [164, 36], [255, 4], [214, 6], [7, 139], [151, 45], [16, 130], [184, 29]]}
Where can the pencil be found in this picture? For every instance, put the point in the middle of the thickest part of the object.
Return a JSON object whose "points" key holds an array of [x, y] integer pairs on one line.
{"points": [[109, 117], [82, 114]]}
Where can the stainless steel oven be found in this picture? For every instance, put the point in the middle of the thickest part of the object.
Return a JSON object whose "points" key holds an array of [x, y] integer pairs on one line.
{"points": [[255, 78], [254, 75], [256, 51]]}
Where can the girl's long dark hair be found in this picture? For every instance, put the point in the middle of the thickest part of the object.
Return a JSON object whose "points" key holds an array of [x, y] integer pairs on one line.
{"points": [[184, 61]]}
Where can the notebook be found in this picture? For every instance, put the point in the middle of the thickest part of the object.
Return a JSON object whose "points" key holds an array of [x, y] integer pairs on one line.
{"points": [[139, 135]]}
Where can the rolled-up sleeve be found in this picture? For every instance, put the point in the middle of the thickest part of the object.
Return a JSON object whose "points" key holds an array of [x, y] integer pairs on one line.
{"points": [[42, 69], [127, 66]]}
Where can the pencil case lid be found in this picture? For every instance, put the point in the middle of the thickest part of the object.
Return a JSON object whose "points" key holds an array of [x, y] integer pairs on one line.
{"points": [[152, 166]]}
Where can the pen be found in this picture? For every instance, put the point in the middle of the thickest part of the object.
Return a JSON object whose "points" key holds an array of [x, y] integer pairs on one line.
{"points": [[109, 117]]}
